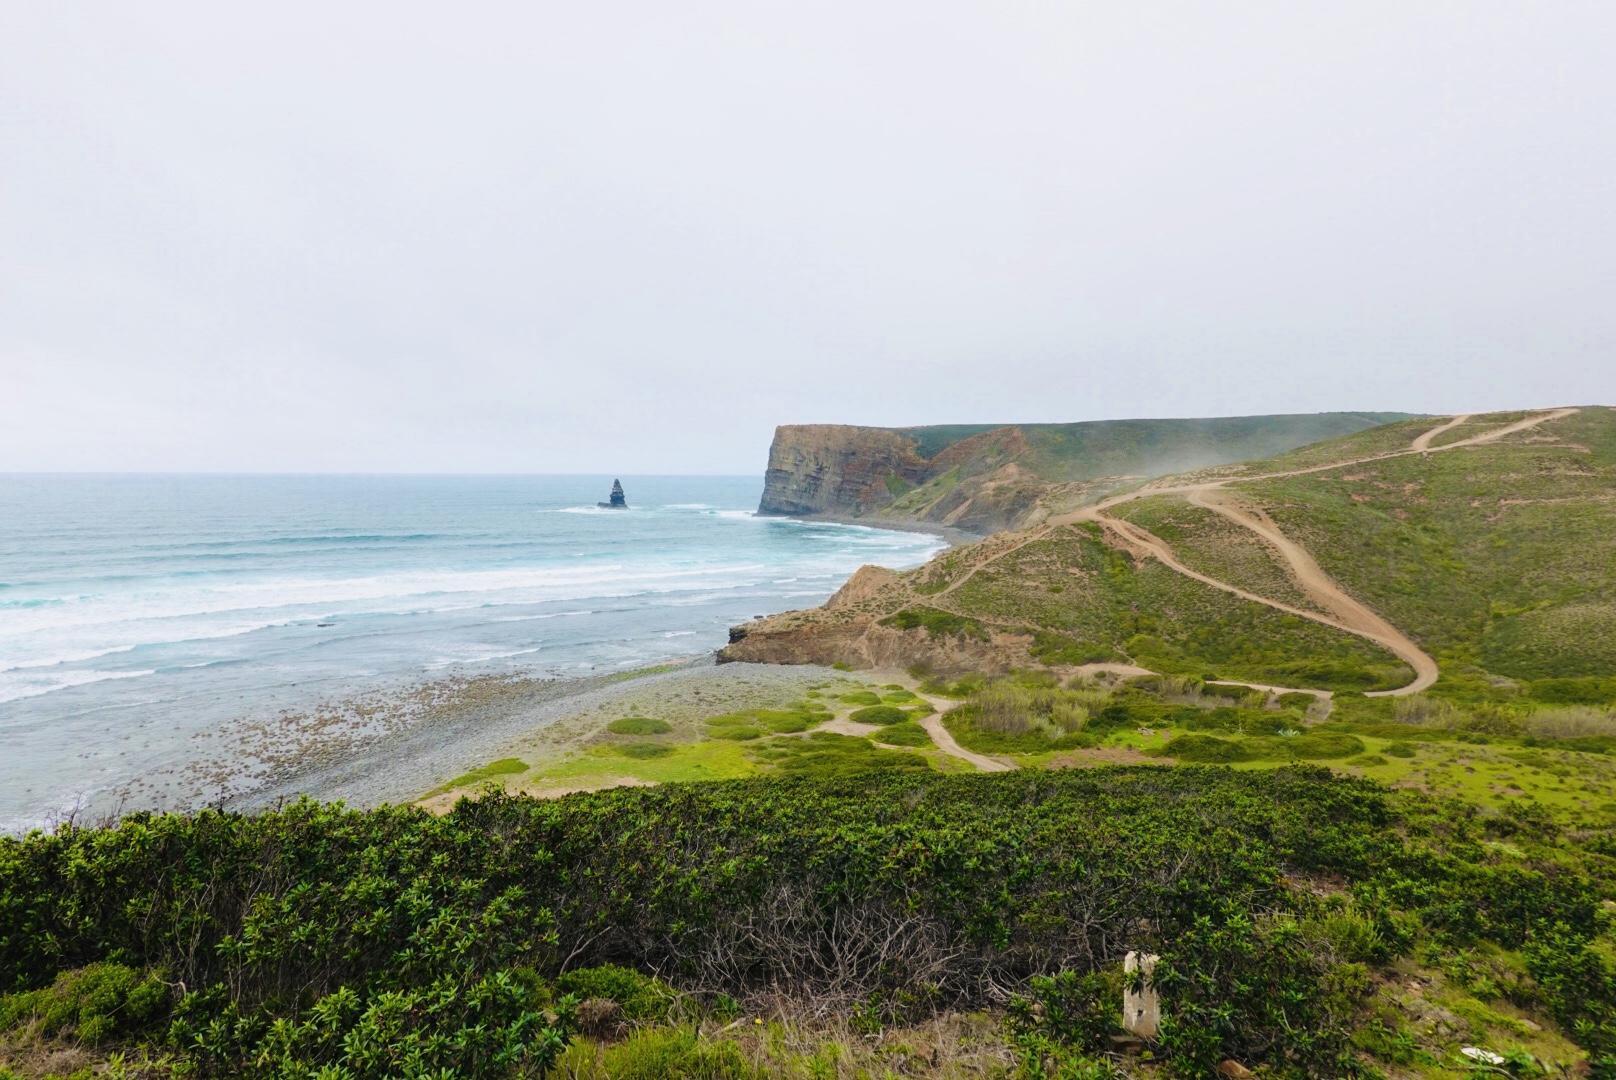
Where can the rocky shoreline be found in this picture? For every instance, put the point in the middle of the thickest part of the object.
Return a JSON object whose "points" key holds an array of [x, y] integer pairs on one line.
{"points": [[394, 746]]}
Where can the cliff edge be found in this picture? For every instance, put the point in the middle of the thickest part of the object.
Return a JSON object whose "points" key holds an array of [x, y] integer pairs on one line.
{"points": [[985, 478]]}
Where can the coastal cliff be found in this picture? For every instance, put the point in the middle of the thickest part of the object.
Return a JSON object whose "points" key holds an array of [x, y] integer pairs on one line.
{"points": [[979, 479], [838, 469]]}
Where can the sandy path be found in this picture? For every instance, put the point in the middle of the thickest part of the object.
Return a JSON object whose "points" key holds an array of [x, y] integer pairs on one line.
{"points": [[945, 740], [1423, 442], [1343, 611], [1350, 614]]}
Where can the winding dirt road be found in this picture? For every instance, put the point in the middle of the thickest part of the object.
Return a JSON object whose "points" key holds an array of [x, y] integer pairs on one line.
{"points": [[1350, 615], [1341, 610], [947, 744]]}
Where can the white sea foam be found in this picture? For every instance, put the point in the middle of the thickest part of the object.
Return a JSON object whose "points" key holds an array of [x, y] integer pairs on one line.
{"points": [[16, 688]]}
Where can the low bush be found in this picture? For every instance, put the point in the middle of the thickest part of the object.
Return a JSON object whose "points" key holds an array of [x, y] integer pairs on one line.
{"points": [[1059, 650], [878, 714], [937, 623], [90, 1004], [1571, 722], [393, 942], [907, 733], [1206, 748], [642, 997], [733, 730], [1583, 690], [503, 767], [639, 725], [657, 1054]]}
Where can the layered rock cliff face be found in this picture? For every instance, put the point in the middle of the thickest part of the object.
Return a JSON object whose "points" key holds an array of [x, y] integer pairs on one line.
{"points": [[981, 479], [838, 469]]}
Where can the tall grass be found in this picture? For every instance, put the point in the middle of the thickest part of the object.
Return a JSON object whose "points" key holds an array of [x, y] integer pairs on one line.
{"points": [[1008, 708], [1571, 722]]}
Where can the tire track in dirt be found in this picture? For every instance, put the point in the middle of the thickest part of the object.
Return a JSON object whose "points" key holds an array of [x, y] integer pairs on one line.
{"points": [[1345, 612]]}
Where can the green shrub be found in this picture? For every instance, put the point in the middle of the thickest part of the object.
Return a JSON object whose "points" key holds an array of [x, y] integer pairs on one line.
{"points": [[1205, 748], [1267, 723], [1398, 749], [963, 686], [861, 697], [503, 767], [642, 997], [823, 754], [937, 623], [1584, 690], [1075, 1009], [639, 725], [789, 721], [1059, 650], [91, 1004], [456, 1025], [907, 733], [879, 714], [660, 1054], [733, 729], [393, 942], [1319, 745]]}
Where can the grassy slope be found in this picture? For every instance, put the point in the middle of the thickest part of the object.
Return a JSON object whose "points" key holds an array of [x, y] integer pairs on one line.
{"points": [[1497, 559], [1073, 584], [1500, 555], [1095, 448], [977, 491]]}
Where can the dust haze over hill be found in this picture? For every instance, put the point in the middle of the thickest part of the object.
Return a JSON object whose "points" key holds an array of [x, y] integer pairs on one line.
{"points": [[1484, 542], [984, 477]]}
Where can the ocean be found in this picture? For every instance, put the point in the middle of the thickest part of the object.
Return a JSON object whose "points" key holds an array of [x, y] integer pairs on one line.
{"points": [[137, 613]]}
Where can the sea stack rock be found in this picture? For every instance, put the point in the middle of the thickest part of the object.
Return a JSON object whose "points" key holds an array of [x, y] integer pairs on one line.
{"points": [[618, 502]]}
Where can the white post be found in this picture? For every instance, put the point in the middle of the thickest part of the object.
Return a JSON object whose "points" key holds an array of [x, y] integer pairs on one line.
{"points": [[1141, 1010]]}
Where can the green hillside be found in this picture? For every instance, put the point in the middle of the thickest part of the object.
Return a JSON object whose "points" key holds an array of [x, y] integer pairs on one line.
{"points": [[983, 478], [1491, 551]]}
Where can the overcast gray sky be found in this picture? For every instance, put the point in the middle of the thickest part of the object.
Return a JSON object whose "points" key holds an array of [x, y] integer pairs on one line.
{"points": [[633, 237]]}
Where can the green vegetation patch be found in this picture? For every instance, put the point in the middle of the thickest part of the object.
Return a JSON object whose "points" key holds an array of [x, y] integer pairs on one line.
{"points": [[385, 942], [92, 1004], [639, 725], [907, 733], [1163, 620], [641, 997], [937, 624], [503, 767], [643, 750], [879, 714], [1011, 716], [825, 754]]}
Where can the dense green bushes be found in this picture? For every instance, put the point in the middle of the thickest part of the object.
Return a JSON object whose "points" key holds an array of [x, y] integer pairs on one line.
{"points": [[937, 623], [391, 942], [91, 1004]]}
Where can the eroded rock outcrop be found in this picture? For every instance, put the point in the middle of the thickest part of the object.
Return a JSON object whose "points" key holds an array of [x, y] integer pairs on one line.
{"points": [[838, 469]]}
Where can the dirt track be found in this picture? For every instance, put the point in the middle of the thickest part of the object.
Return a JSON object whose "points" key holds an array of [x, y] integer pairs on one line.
{"points": [[1341, 610], [1344, 612]]}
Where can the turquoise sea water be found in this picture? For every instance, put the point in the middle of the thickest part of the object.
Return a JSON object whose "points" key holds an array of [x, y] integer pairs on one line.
{"points": [[136, 611]]}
